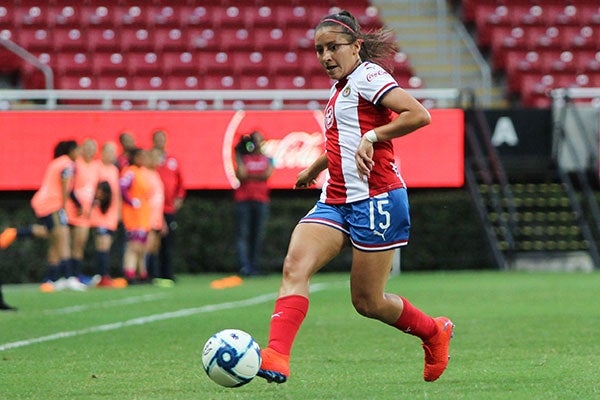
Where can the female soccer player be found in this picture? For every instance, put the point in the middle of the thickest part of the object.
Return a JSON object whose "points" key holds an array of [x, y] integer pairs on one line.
{"points": [[136, 213], [80, 202], [363, 202], [49, 203], [106, 220]]}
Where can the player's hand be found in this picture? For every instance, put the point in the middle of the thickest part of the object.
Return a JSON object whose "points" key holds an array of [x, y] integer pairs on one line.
{"points": [[305, 179], [364, 159]]}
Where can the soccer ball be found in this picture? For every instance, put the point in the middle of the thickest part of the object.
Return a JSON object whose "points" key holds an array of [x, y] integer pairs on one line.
{"points": [[231, 358]]}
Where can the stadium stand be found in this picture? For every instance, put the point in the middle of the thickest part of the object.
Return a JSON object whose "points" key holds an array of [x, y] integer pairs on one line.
{"points": [[177, 44], [539, 45]]}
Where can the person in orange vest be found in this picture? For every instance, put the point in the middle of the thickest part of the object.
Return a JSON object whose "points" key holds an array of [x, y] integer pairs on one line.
{"points": [[49, 204], [136, 214], [105, 220]]}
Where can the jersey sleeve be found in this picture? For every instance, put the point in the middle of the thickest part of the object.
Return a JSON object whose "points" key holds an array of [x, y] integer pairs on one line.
{"points": [[375, 83]]}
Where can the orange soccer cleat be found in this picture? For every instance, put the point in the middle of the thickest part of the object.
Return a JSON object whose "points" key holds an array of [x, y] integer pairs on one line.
{"points": [[7, 237], [275, 367], [436, 350]]}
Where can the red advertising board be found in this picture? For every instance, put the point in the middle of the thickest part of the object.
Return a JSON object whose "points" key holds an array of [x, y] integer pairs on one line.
{"points": [[203, 142]]}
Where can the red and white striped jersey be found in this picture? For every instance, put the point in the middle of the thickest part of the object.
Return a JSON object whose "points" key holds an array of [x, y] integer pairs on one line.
{"points": [[353, 109]]}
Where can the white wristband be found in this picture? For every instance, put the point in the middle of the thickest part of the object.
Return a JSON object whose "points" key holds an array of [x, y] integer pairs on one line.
{"points": [[371, 136]]}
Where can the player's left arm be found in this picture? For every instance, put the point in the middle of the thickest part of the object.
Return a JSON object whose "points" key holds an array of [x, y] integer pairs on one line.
{"points": [[411, 116]]}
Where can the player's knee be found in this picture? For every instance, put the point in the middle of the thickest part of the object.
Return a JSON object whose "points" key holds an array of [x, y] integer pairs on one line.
{"points": [[365, 306]]}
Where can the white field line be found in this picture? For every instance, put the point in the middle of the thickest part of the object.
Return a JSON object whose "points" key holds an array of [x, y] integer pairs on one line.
{"points": [[106, 304], [186, 312]]}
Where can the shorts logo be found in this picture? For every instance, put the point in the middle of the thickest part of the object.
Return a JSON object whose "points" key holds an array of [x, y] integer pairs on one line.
{"points": [[346, 91], [329, 117]]}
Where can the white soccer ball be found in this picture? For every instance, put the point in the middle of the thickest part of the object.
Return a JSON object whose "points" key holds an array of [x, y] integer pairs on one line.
{"points": [[231, 358]]}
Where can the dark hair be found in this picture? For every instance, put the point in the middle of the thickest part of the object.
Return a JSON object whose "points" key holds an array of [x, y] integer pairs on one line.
{"points": [[378, 46], [133, 153], [105, 200], [64, 147]]}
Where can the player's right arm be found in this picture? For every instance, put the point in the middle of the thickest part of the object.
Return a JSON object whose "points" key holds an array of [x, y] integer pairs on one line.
{"points": [[309, 176]]}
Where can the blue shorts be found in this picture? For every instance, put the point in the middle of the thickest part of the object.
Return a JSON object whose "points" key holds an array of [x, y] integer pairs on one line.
{"points": [[374, 224], [58, 218]]}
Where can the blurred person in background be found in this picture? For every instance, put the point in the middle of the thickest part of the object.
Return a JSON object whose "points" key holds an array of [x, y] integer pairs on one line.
{"points": [[3, 305], [79, 205], [174, 191], [136, 214], [127, 144], [49, 203], [105, 219], [157, 218], [252, 169]]}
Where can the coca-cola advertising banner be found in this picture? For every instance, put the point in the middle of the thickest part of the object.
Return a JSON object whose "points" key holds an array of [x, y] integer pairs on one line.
{"points": [[204, 141]]}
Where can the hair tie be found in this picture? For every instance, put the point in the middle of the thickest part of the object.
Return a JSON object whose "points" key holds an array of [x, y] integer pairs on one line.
{"points": [[340, 23]]}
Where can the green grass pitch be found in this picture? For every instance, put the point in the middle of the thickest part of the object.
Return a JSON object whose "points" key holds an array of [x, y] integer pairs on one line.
{"points": [[517, 336]]}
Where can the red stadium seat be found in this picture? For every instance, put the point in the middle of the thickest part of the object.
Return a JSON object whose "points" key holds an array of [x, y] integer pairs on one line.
{"points": [[288, 16], [560, 61], [288, 81], [31, 14], [215, 62], [113, 82], [249, 62], [69, 38], [254, 82], [176, 62], [7, 16], [505, 38], [301, 38], [588, 61], [270, 39], [279, 62], [235, 39], [519, 62], [260, 17], [131, 15], [535, 90], [102, 39], [148, 82], [98, 14], [66, 13], [108, 63], [561, 14], [202, 39], [184, 82], [165, 15], [34, 39], [220, 82], [72, 62], [488, 16], [196, 16], [310, 64], [143, 63], [226, 16], [76, 82], [136, 39], [169, 39]]}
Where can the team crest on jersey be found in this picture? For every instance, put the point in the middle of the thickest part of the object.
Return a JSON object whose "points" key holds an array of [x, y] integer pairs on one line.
{"points": [[346, 91], [329, 117]]}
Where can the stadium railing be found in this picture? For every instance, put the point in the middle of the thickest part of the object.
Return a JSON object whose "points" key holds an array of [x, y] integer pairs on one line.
{"points": [[11, 99]]}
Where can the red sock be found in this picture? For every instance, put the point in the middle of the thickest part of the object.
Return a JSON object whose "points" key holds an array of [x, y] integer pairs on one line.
{"points": [[415, 322], [286, 320]]}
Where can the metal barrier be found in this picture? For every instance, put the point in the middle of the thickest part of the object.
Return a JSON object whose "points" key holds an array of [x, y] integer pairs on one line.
{"points": [[193, 99]]}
